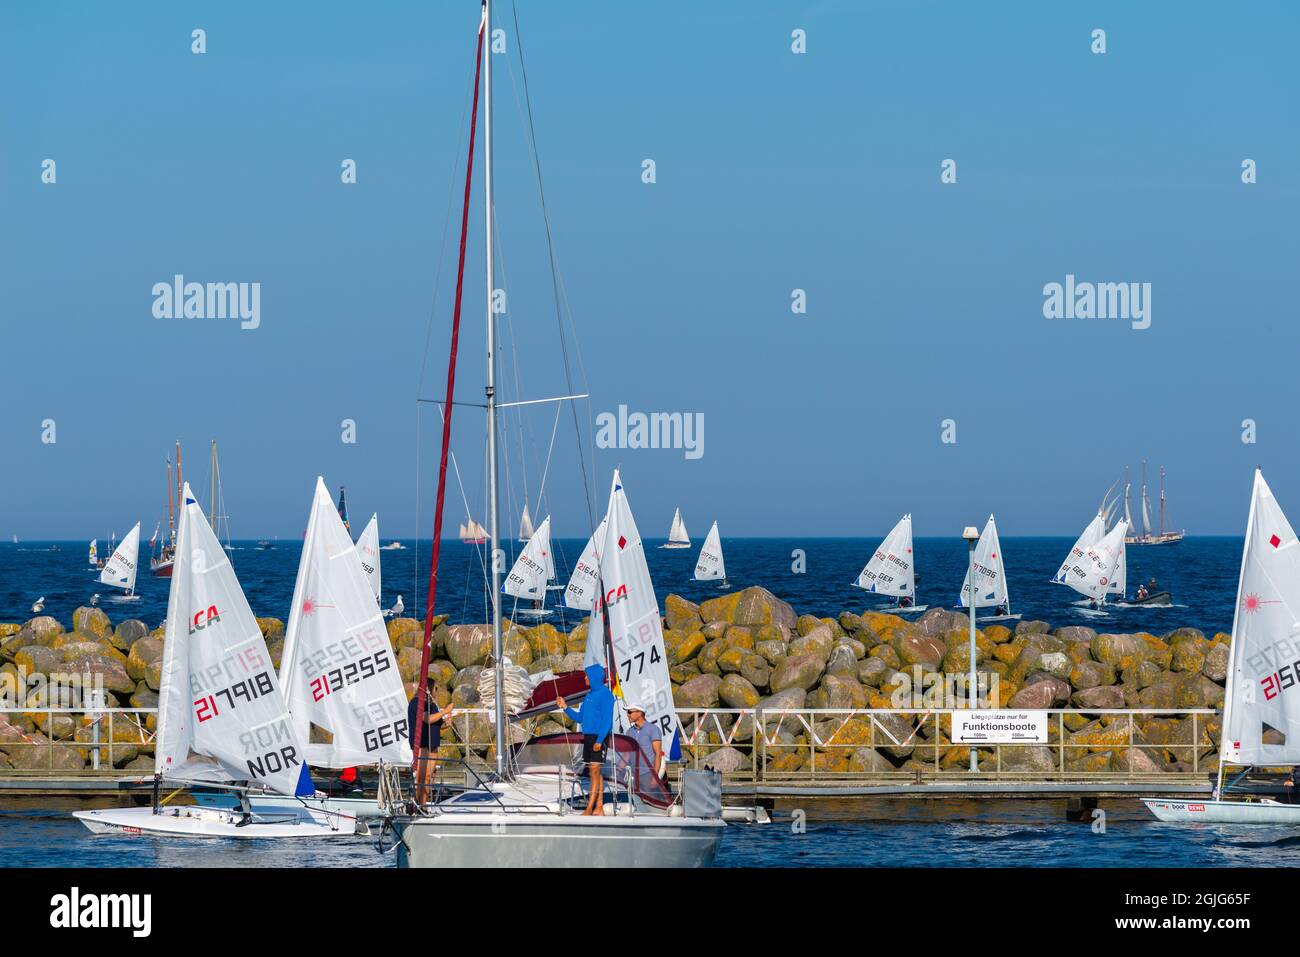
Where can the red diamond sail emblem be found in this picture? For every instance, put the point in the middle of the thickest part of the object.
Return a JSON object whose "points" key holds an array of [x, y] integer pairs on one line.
{"points": [[622, 543], [1275, 541]]}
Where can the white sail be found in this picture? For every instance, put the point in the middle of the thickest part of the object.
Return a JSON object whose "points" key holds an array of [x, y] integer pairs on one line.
{"points": [[1092, 574], [1146, 514], [528, 577], [94, 551], [220, 710], [368, 552], [526, 525], [635, 627], [1262, 688], [990, 573], [1094, 533], [710, 566], [1119, 581], [338, 668], [119, 570], [890, 570], [1128, 514], [677, 534], [584, 582]]}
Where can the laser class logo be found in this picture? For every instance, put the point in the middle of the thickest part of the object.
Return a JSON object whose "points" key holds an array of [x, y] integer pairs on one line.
{"points": [[77, 910], [1129, 301], [213, 300], [202, 619]]}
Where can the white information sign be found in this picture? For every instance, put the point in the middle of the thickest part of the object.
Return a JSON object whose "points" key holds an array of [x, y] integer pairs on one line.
{"points": [[999, 727]]}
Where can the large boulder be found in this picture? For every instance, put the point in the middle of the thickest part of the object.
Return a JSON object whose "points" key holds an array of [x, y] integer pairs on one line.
{"points": [[869, 761], [38, 659], [918, 649], [469, 645], [938, 621], [683, 646], [1033, 627], [753, 606], [128, 633], [700, 692], [682, 615], [1216, 663], [756, 671], [1118, 651], [144, 652], [736, 692], [1034, 697], [726, 760], [837, 692], [818, 640], [1098, 697], [797, 671], [92, 621], [1090, 674], [272, 628], [1071, 633]]}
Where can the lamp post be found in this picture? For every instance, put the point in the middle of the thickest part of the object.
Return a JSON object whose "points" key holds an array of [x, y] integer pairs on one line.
{"points": [[972, 535]]}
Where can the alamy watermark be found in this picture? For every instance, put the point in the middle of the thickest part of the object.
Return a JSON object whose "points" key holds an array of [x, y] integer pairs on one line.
{"points": [[179, 299], [1129, 301], [21, 690], [651, 430]]}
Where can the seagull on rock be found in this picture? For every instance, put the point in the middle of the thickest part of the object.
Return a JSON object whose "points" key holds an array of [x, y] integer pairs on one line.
{"points": [[396, 610], [39, 606]]}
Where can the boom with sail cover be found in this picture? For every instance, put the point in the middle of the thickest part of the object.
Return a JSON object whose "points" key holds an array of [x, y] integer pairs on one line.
{"points": [[533, 568], [220, 710], [636, 638], [990, 573], [890, 570], [710, 566], [584, 583], [1092, 574], [368, 551], [338, 668], [119, 570]]}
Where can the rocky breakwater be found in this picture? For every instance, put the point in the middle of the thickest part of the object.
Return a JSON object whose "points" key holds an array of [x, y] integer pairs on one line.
{"points": [[742, 650]]}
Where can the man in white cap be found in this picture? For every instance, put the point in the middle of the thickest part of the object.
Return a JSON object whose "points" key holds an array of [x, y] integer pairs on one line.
{"points": [[648, 738]]}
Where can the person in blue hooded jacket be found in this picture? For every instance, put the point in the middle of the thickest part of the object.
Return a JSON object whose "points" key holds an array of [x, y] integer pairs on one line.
{"points": [[596, 718]]}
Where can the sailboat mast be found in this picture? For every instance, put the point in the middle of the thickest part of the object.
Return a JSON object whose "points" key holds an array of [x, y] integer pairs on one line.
{"points": [[171, 494], [1162, 500], [493, 530], [212, 498]]}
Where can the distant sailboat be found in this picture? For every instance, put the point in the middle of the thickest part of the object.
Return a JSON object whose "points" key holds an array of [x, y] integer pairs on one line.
{"points": [[119, 571], [93, 557], [710, 566], [160, 563], [368, 551], [990, 578], [526, 529], [892, 570], [532, 570], [472, 533], [677, 537]]}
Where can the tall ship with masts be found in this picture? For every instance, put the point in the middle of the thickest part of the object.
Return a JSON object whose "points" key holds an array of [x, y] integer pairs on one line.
{"points": [[1162, 535]]}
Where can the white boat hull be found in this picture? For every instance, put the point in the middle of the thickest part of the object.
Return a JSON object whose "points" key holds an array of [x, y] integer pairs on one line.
{"points": [[895, 610], [365, 808], [1015, 617], [1179, 811], [192, 821], [676, 545], [521, 839]]}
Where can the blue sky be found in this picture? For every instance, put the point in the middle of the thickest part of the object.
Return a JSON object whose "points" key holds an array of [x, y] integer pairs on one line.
{"points": [[775, 171]]}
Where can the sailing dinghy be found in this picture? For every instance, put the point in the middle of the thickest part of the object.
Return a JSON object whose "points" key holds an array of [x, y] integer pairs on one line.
{"points": [[677, 536], [710, 566], [368, 552], [532, 570], [1261, 696], [990, 578], [119, 570], [221, 716], [891, 570], [1092, 575], [526, 529], [93, 557]]}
